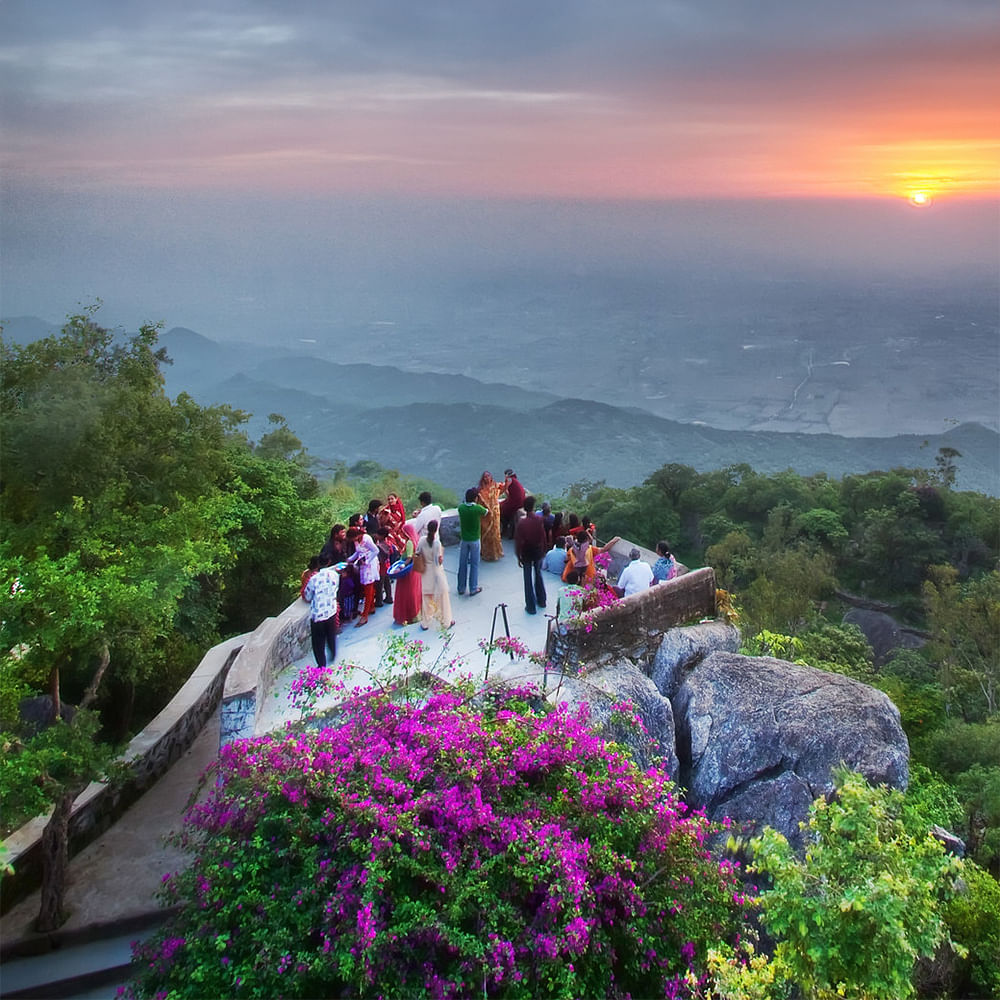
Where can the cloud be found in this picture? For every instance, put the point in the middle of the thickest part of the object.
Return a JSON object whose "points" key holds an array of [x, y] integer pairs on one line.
{"points": [[636, 98]]}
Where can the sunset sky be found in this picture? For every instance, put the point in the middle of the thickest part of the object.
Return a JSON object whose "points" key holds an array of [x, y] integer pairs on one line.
{"points": [[589, 98], [152, 106]]}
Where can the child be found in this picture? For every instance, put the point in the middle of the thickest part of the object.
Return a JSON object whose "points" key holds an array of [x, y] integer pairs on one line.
{"points": [[387, 555], [308, 574]]}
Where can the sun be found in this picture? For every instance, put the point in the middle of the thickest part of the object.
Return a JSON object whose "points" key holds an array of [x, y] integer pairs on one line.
{"points": [[920, 199]]}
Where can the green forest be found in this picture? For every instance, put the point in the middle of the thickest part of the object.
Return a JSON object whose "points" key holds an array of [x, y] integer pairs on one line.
{"points": [[139, 530]]}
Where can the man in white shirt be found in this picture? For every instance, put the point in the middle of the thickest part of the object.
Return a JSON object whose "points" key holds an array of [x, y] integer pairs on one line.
{"points": [[425, 513], [636, 576], [321, 593]]}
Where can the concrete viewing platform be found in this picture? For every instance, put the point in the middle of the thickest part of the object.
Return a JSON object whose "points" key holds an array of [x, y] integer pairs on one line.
{"points": [[476, 618]]}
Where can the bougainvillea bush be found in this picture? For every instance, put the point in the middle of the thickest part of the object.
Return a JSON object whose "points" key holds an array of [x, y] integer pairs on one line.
{"points": [[460, 847]]}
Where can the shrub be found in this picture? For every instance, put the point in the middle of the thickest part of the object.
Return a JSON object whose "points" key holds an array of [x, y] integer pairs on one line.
{"points": [[451, 848], [973, 918], [930, 801], [864, 902]]}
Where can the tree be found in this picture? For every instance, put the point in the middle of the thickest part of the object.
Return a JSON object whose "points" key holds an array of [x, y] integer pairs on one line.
{"points": [[123, 509], [965, 622], [944, 463]]}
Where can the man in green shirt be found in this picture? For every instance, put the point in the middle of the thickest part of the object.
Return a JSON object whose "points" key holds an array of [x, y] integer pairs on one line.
{"points": [[470, 518]]}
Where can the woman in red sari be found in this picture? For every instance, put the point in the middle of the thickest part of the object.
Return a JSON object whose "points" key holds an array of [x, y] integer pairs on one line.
{"points": [[408, 602]]}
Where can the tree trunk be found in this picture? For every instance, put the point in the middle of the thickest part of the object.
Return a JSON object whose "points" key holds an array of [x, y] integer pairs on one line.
{"points": [[54, 694], [55, 836], [55, 864]]}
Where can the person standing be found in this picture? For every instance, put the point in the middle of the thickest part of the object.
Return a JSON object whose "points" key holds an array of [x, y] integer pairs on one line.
{"points": [[529, 547], [549, 520], [387, 555], [470, 521], [426, 512], [365, 557], [513, 501], [489, 496], [321, 593], [408, 600], [434, 584]]}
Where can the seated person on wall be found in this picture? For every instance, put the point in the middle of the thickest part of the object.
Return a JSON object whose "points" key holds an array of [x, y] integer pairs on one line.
{"points": [[580, 566], [665, 568], [636, 576], [511, 504], [580, 552]]}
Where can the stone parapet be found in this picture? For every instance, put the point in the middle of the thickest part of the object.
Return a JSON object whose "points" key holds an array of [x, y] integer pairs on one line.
{"points": [[632, 628], [147, 757], [274, 644]]}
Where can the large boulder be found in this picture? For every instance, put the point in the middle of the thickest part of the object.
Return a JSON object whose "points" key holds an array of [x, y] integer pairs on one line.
{"points": [[883, 633], [758, 738], [682, 649], [609, 691], [35, 714]]}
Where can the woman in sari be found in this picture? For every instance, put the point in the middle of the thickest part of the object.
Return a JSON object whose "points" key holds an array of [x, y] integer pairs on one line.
{"points": [[407, 603], [394, 511], [581, 557], [491, 548]]}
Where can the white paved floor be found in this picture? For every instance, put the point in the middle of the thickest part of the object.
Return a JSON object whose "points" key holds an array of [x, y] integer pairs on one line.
{"points": [[502, 583]]}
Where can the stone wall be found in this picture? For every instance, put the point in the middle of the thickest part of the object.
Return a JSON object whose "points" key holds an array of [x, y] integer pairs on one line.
{"points": [[274, 644], [148, 756], [633, 628]]}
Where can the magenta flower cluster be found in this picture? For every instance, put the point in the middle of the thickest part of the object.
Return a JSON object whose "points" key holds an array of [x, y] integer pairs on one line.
{"points": [[309, 686], [447, 849], [587, 598]]}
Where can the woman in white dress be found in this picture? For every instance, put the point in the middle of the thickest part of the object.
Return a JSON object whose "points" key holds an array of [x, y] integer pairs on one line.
{"points": [[436, 603]]}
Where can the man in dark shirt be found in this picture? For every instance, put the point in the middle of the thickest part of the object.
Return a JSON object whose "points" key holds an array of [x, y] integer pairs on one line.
{"points": [[529, 547], [511, 504]]}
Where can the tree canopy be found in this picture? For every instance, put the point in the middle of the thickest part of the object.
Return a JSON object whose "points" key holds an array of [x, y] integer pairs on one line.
{"points": [[137, 529]]}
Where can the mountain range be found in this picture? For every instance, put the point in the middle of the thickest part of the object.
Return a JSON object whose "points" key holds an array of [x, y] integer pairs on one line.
{"points": [[450, 427]]}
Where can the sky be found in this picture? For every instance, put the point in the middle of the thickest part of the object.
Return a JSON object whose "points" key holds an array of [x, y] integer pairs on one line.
{"points": [[186, 157]]}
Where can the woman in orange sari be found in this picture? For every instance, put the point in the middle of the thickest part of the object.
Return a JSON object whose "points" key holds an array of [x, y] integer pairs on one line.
{"points": [[491, 548], [581, 566]]}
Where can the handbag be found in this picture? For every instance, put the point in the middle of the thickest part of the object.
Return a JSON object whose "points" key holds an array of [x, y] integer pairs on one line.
{"points": [[419, 561]]}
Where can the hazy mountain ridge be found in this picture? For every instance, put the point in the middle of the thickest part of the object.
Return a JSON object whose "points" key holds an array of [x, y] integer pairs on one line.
{"points": [[450, 427], [388, 384], [572, 440]]}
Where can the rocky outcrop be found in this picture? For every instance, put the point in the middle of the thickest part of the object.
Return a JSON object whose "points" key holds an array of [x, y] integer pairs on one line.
{"points": [[682, 649], [615, 693], [758, 738], [883, 632]]}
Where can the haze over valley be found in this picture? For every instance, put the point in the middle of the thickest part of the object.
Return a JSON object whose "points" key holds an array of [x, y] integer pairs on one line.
{"points": [[592, 241]]}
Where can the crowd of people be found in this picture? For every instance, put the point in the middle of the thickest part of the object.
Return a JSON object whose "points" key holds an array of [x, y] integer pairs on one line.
{"points": [[384, 557]]}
